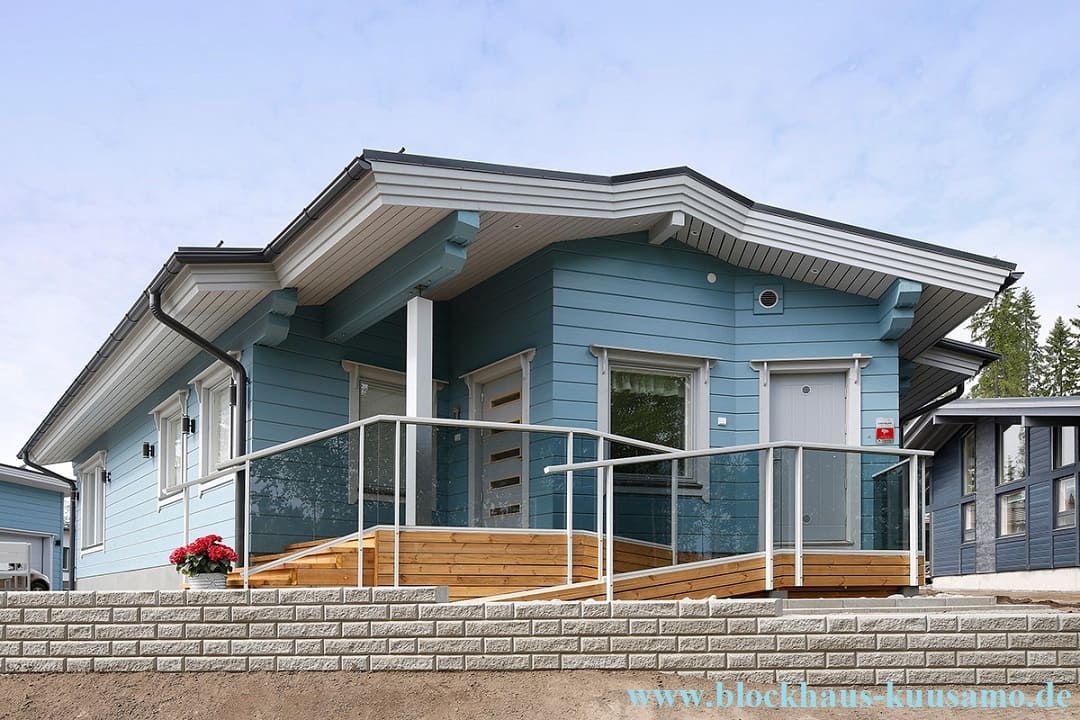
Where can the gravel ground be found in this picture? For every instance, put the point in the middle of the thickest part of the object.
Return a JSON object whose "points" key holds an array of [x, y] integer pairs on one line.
{"points": [[397, 696]]}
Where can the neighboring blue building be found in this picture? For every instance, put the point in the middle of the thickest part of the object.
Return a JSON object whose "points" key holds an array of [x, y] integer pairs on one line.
{"points": [[440, 288], [32, 511], [1002, 493]]}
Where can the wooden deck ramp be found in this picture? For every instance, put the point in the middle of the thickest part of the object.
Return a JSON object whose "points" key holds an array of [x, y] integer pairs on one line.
{"points": [[472, 563], [531, 565]]}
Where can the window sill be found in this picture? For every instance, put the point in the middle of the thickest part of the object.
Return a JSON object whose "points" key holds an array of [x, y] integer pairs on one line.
{"points": [[170, 500], [92, 549]]}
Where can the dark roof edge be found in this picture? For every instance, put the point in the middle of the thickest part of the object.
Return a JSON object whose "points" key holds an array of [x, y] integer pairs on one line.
{"points": [[966, 348], [164, 276], [200, 256], [429, 161]]}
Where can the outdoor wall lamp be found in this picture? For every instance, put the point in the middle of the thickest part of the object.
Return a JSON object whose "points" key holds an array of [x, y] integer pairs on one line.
{"points": [[147, 450]]}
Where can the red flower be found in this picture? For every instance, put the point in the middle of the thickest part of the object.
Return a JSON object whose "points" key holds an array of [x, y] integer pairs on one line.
{"points": [[178, 555]]}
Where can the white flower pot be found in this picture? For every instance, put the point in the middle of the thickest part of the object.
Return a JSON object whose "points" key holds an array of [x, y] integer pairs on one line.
{"points": [[207, 581]]}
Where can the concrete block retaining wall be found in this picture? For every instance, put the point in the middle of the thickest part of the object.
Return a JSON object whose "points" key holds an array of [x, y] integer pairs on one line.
{"points": [[416, 629]]}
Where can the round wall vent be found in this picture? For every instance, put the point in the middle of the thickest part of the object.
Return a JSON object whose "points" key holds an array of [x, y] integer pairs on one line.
{"points": [[768, 299]]}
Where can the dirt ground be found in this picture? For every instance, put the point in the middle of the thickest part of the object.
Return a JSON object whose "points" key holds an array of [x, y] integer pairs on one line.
{"points": [[397, 696]]}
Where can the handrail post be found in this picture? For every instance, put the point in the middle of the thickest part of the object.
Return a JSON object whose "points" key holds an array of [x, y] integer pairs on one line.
{"points": [[610, 502], [397, 500], [360, 509], [769, 519], [247, 521], [798, 526], [569, 510], [674, 512], [187, 516], [913, 521], [600, 481]]}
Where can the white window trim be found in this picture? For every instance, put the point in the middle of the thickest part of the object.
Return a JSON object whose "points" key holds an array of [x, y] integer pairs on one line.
{"points": [[852, 366], [173, 406], [96, 463], [473, 380], [205, 383], [699, 371]]}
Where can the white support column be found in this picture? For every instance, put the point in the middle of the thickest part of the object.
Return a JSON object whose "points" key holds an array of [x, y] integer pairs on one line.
{"points": [[914, 521], [418, 397], [797, 520], [768, 519]]}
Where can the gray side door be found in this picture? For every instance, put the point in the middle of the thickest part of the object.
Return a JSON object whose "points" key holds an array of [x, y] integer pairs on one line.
{"points": [[502, 456], [811, 407]]}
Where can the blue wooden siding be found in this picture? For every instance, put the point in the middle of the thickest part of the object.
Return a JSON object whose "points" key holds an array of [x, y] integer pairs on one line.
{"points": [[139, 532], [35, 510], [300, 387], [620, 292]]}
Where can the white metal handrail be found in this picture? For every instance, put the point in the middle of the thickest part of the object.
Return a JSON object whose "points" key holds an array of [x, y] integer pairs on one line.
{"points": [[570, 433], [770, 449]]}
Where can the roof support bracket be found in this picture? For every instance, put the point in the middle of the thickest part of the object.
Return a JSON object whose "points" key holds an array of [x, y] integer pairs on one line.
{"points": [[666, 227], [897, 308], [435, 256]]}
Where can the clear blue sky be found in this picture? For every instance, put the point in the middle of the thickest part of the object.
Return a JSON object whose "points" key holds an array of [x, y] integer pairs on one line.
{"points": [[129, 129]]}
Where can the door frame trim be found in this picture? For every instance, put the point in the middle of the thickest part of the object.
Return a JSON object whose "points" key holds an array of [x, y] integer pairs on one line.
{"points": [[852, 366], [519, 361]]}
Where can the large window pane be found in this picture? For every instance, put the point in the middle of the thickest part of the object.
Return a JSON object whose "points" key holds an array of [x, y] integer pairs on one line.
{"points": [[1012, 454], [969, 463], [1012, 513], [649, 406], [1064, 442]]}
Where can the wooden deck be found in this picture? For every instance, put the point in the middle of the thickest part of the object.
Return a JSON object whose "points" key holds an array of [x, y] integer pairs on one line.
{"points": [[522, 565]]}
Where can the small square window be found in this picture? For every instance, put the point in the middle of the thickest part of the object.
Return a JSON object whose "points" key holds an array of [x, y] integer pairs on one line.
{"points": [[1012, 513], [967, 517], [1011, 453], [968, 460], [1065, 502]]}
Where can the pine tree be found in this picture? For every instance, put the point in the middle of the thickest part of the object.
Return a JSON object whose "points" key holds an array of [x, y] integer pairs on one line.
{"points": [[1061, 361], [1008, 325]]}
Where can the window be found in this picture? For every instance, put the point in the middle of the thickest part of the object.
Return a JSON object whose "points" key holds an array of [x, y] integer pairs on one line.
{"points": [[1064, 446], [214, 427], [1011, 453], [968, 460], [1012, 513], [967, 517], [172, 443], [376, 391], [650, 406], [91, 475], [1065, 502], [657, 398]]}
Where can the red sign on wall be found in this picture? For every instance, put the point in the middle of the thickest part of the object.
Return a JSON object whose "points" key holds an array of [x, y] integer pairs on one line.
{"points": [[885, 433]]}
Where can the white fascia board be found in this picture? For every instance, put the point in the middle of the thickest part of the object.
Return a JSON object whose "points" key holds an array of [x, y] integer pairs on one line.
{"points": [[949, 360], [33, 479], [450, 188], [334, 227], [231, 278]]}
